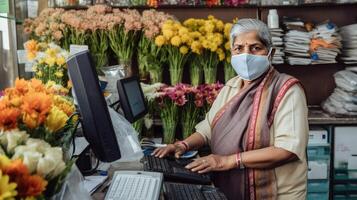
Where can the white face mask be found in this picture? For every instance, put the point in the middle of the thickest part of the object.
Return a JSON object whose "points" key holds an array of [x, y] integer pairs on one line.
{"points": [[250, 67]]}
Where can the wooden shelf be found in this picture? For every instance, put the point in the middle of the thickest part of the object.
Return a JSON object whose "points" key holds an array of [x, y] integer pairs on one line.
{"points": [[319, 117], [142, 7]]}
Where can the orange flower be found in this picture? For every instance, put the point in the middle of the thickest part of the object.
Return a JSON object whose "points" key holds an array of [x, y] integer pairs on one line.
{"points": [[21, 85], [16, 169], [9, 117], [31, 46], [36, 106], [27, 185], [31, 186], [37, 85]]}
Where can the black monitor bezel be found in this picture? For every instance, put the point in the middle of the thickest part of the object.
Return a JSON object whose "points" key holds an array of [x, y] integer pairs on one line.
{"points": [[124, 100]]}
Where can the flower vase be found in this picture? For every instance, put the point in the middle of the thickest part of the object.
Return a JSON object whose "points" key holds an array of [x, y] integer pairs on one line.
{"points": [[187, 129], [143, 73], [169, 131], [210, 73], [138, 126], [155, 76], [126, 64], [100, 60], [228, 71], [196, 75], [176, 75]]}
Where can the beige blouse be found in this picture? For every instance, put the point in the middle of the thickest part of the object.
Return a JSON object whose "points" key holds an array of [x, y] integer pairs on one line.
{"points": [[289, 131]]}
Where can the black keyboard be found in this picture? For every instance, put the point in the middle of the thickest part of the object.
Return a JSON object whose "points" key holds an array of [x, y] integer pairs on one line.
{"points": [[174, 170], [180, 191]]}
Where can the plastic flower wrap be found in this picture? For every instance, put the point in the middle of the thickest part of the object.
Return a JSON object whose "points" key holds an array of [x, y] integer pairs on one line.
{"points": [[35, 167], [38, 109], [49, 63], [175, 39], [207, 44], [150, 56]]}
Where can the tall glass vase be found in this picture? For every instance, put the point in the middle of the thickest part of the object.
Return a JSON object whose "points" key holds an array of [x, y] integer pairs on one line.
{"points": [[176, 75], [155, 76], [210, 73], [228, 71], [126, 65], [169, 132], [196, 75]]}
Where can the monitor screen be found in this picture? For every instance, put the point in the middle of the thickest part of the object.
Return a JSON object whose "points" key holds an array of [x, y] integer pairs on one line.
{"points": [[131, 98], [96, 122]]}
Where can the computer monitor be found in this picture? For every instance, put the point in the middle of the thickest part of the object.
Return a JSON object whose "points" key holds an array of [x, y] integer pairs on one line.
{"points": [[131, 98], [96, 122]]}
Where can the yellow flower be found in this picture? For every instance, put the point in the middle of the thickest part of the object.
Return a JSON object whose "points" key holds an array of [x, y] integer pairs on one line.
{"points": [[167, 34], [59, 74], [183, 31], [196, 47], [211, 17], [56, 119], [39, 74], [41, 61], [235, 20], [60, 61], [227, 29], [219, 25], [7, 189], [169, 21], [209, 27], [183, 50], [176, 41], [221, 56], [160, 40], [50, 61], [50, 83], [227, 45], [51, 52], [16, 101], [31, 55], [4, 161], [189, 22], [177, 26], [167, 26]]}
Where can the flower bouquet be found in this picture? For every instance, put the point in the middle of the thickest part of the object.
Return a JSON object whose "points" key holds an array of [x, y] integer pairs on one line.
{"points": [[49, 63], [192, 109], [47, 27], [207, 43], [210, 93], [174, 39], [150, 56], [36, 128], [39, 110], [169, 100], [228, 69], [30, 168], [150, 93], [124, 29]]}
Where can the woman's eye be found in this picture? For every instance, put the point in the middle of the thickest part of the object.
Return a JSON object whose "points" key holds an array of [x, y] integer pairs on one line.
{"points": [[256, 49]]}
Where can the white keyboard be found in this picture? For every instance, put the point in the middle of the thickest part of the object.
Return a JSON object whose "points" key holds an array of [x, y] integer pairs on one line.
{"points": [[135, 185]]}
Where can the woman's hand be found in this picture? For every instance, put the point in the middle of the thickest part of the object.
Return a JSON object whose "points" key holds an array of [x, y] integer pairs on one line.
{"points": [[212, 163], [178, 149]]}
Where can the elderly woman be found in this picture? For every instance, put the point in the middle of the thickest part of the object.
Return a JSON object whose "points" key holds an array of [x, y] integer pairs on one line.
{"points": [[257, 127]]}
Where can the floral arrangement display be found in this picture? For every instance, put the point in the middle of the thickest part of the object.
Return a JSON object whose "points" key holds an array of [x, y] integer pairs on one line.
{"points": [[192, 101], [150, 56], [228, 69], [175, 40], [207, 46], [39, 110], [49, 62], [124, 33], [35, 129], [150, 93], [30, 168]]}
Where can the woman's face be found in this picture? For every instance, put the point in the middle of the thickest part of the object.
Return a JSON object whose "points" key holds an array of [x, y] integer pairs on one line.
{"points": [[250, 43]]}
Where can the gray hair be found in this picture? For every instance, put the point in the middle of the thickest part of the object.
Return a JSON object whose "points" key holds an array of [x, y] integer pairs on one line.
{"points": [[247, 25]]}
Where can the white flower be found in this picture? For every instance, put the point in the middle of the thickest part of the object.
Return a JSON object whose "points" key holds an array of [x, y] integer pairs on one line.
{"points": [[38, 144], [148, 121], [150, 91], [31, 159], [21, 150], [58, 170], [12, 138], [45, 166]]}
